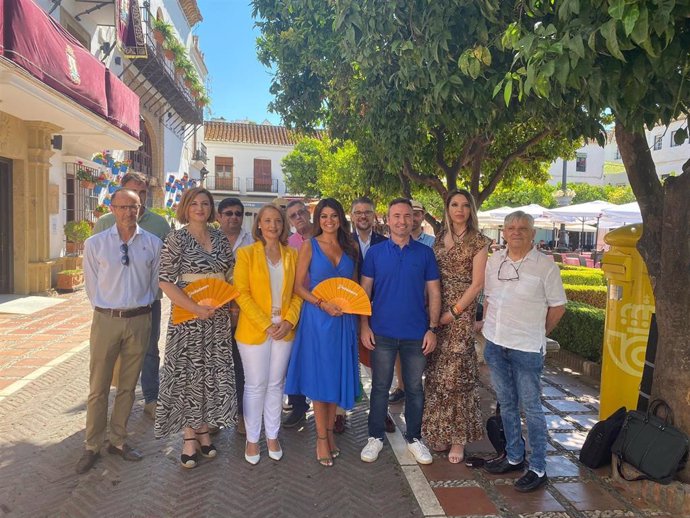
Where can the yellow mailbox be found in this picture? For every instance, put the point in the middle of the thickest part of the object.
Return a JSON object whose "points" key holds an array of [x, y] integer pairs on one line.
{"points": [[629, 310]]}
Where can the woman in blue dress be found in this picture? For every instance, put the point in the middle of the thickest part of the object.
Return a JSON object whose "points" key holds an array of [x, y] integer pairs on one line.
{"points": [[324, 364]]}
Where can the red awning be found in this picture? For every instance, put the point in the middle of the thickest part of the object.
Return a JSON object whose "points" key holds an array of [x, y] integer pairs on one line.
{"points": [[41, 46], [123, 105]]}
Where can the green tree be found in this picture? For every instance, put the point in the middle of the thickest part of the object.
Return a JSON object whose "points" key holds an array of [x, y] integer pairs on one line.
{"points": [[521, 192], [411, 83], [631, 59]]}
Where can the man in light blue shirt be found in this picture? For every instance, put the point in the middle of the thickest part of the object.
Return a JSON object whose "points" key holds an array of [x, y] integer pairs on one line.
{"points": [[418, 234], [121, 274], [159, 227]]}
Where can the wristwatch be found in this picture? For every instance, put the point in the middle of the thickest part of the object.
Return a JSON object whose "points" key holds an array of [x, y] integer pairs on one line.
{"points": [[433, 329]]}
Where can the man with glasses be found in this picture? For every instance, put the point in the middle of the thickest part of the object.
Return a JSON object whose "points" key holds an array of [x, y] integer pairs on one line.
{"points": [[524, 300], [231, 216], [121, 274], [363, 217], [159, 227], [299, 217]]}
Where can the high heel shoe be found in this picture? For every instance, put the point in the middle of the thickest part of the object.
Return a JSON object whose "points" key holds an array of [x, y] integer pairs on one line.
{"points": [[335, 452], [209, 451], [324, 461], [275, 455], [189, 461], [252, 459]]}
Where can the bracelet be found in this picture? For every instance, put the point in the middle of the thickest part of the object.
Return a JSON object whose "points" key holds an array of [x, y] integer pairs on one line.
{"points": [[455, 312], [318, 303]]}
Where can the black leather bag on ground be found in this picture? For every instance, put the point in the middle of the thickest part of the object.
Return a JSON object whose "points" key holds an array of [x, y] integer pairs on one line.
{"points": [[652, 445], [596, 451], [495, 433]]}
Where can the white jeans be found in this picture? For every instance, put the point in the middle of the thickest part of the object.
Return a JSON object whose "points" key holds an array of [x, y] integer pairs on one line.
{"points": [[265, 366]]}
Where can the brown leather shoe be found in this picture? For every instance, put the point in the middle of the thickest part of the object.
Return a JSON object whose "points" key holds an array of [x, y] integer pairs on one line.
{"points": [[86, 462], [339, 425], [126, 452], [390, 424]]}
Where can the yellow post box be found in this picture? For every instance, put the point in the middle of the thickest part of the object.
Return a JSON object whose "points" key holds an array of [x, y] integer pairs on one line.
{"points": [[629, 310]]}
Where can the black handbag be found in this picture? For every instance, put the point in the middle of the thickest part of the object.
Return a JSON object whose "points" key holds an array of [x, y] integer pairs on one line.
{"points": [[495, 432], [596, 451], [652, 445]]}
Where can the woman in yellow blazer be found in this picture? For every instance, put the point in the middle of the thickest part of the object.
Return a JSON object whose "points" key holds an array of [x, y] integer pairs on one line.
{"points": [[269, 310]]}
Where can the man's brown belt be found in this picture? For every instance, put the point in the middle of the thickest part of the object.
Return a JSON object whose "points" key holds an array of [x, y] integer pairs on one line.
{"points": [[124, 313]]}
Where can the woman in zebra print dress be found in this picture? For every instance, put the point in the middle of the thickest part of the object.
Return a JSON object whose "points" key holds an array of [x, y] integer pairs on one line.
{"points": [[197, 386]]}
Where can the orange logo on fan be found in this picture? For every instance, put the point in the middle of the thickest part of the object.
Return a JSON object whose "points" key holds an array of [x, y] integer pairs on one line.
{"points": [[213, 293], [344, 293]]}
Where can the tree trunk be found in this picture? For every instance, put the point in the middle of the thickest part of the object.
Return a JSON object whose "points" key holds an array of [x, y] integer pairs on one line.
{"points": [[665, 247]]}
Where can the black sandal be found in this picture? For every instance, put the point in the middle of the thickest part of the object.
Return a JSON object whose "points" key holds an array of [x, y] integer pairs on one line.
{"points": [[335, 452], [324, 461], [209, 451], [189, 461]]}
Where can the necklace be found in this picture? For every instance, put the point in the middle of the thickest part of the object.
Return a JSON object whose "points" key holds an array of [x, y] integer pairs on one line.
{"points": [[458, 237]]}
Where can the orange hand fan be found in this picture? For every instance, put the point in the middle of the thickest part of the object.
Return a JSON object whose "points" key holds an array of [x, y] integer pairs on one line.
{"points": [[344, 293], [207, 292]]}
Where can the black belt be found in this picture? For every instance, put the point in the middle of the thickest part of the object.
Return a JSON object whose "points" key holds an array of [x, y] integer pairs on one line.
{"points": [[125, 313]]}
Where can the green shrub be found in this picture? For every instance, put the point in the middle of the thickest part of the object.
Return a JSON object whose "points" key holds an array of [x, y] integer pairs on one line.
{"points": [[587, 277], [581, 330], [572, 267], [592, 295]]}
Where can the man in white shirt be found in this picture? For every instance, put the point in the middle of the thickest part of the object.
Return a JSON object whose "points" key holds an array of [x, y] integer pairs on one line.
{"points": [[524, 300], [121, 274], [231, 217]]}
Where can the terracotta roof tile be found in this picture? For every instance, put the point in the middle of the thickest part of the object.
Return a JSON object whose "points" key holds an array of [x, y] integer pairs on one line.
{"points": [[251, 133]]}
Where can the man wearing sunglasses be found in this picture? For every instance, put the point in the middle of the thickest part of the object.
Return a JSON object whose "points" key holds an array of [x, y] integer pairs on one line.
{"points": [[524, 300], [231, 216], [121, 275], [158, 226]]}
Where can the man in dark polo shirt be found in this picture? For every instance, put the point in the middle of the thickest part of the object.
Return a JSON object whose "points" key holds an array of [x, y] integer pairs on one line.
{"points": [[398, 272]]}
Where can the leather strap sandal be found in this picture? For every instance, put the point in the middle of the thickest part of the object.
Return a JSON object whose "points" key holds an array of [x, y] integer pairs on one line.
{"points": [[189, 461], [335, 451], [209, 451], [324, 461]]}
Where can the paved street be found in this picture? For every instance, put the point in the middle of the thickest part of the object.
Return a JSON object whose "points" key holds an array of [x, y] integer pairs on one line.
{"points": [[44, 373]]}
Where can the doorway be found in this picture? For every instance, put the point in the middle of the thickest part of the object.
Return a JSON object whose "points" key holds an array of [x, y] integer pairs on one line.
{"points": [[6, 239]]}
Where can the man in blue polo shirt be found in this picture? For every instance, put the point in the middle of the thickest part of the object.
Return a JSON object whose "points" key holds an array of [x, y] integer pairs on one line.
{"points": [[398, 272]]}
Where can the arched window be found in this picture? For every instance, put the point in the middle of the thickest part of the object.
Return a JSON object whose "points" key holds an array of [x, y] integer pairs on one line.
{"points": [[141, 159]]}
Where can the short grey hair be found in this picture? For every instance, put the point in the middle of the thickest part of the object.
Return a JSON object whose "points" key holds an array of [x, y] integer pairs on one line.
{"points": [[519, 215]]}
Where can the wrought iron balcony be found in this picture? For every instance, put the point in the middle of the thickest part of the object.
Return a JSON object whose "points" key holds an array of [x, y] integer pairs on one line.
{"points": [[256, 185], [223, 183], [165, 87], [200, 154]]}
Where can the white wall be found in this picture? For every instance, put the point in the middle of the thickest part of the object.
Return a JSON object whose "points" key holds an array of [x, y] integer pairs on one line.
{"points": [[593, 174]]}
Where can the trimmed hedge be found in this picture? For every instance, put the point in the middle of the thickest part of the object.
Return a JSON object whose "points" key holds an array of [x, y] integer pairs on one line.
{"points": [[581, 330], [587, 277], [592, 295], [572, 267]]}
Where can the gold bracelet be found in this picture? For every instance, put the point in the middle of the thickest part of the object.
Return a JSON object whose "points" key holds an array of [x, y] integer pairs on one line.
{"points": [[318, 303], [455, 312]]}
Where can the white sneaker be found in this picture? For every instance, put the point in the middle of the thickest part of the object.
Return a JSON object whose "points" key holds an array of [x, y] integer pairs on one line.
{"points": [[419, 451], [371, 451]]}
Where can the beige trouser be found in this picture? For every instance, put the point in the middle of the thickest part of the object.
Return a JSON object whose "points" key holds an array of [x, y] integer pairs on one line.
{"points": [[111, 337]]}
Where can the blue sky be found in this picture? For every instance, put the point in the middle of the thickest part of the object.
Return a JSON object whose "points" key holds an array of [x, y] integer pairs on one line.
{"points": [[239, 83]]}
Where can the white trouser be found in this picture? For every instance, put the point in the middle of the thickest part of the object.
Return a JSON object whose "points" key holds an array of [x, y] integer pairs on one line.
{"points": [[265, 366]]}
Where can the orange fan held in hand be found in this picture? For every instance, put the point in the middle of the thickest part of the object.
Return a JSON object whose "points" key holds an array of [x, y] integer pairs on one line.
{"points": [[213, 293], [344, 293]]}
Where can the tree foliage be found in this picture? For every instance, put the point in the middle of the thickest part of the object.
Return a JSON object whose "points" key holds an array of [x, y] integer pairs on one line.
{"points": [[411, 83]]}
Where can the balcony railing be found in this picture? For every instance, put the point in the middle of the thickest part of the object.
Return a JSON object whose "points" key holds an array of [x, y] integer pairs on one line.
{"points": [[160, 73], [223, 183], [200, 153], [261, 186]]}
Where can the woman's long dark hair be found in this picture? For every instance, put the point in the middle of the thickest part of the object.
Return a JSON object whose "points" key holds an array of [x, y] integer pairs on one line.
{"points": [[344, 237], [473, 222]]}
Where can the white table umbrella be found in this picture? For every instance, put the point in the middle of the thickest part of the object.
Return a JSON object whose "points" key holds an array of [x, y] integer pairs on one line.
{"points": [[591, 211], [627, 213], [534, 210]]}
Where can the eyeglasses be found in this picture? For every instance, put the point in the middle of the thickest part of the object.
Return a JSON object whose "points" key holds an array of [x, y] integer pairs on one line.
{"points": [[301, 212], [509, 272], [124, 250], [228, 213], [360, 213], [127, 207]]}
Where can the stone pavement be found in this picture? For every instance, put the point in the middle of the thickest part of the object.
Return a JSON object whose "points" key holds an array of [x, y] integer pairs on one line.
{"points": [[44, 383]]}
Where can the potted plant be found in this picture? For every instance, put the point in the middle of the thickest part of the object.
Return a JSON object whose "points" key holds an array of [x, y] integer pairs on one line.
{"points": [[86, 179], [100, 210], [202, 100], [76, 233], [70, 279], [161, 30], [172, 48]]}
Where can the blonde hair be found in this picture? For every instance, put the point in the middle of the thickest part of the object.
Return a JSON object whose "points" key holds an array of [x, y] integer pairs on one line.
{"points": [[186, 201], [473, 222], [256, 231]]}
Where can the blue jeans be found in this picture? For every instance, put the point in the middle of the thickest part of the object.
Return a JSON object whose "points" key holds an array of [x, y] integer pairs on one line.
{"points": [[516, 377], [413, 363], [152, 360]]}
